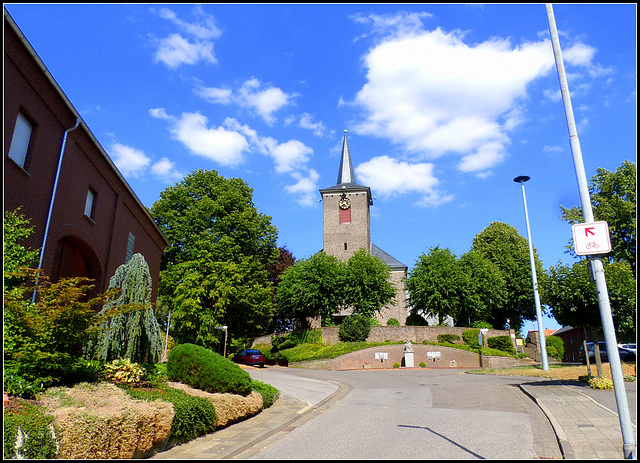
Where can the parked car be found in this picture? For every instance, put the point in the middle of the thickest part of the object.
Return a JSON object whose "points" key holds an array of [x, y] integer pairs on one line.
{"points": [[250, 357], [626, 354], [629, 346]]}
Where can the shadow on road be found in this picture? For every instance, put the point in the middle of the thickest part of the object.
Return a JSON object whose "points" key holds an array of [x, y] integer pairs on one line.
{"points": [[444, 437]]}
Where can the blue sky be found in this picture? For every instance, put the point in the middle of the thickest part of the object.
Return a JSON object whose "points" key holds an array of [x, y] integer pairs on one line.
{"points": [[444, 106]]}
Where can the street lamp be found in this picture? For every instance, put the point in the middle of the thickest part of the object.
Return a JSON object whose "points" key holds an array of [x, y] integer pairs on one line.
{"points": [[543, 345]]}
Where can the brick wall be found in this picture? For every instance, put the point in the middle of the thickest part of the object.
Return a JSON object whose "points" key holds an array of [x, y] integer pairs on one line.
{"points": [[356, 234], [101, 238]]}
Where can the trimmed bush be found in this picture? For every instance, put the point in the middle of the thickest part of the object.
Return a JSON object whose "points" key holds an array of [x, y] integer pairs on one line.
{"points": [[501, 343], [354, 328], [203, 369], [450, 338], [470, 337], [194, 416], [393, 322], [268, 392], [555, 347]]}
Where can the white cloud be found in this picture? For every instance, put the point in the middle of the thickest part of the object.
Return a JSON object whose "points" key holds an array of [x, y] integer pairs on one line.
{"points": [[307, 122], [306, 187], [175, 49], [388, 176], [436, 95], [165, 170], [290, 155], [207, 29], [264, 101], [226, 147], [130, 161]]}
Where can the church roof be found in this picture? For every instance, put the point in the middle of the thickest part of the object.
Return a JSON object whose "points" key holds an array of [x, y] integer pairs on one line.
{"points": [[391, 261], [346, 174]]}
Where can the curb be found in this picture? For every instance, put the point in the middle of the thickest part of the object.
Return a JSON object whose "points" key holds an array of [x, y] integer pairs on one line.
{"points": [[565, 446]]}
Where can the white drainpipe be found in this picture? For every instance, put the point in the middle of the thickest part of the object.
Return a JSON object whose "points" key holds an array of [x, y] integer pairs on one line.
{"points": [[53, 198]]}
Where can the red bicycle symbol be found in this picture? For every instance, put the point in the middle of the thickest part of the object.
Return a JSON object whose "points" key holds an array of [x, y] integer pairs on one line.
{"points": [[592, 244]]}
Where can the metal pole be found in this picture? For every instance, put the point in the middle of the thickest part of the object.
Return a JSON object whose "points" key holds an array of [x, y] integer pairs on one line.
{"points": [[166, 339], [598, 269], [534, 278]]}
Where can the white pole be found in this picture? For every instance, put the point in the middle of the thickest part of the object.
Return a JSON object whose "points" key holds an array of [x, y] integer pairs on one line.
{"points": [[596, 262]]}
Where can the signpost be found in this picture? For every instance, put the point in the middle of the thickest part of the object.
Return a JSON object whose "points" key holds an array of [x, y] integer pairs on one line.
{"points": [[591, 238]]}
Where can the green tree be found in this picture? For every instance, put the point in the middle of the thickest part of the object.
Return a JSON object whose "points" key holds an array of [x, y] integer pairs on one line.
{"points": [[573, 298], [311, 288], [437, 285], [133, 331], [365, 285], [486, 293], [15, 255], [504, 246], [215, 270], [613, 198]]}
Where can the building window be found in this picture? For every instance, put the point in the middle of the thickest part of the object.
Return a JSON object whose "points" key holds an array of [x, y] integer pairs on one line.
{"points": [[345, 216], [88, 205], [20, 140], [130, 243], [345, 246]]}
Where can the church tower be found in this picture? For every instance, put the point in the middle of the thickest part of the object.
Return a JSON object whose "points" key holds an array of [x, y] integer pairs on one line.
{"points": [[345, 213], [347, 228]]}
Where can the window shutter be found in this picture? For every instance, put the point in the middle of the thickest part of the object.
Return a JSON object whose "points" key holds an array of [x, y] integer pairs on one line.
{"points": [[20, 140]]}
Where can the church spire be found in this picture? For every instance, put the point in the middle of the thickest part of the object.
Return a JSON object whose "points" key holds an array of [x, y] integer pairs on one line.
{"points": [[346, 173]]}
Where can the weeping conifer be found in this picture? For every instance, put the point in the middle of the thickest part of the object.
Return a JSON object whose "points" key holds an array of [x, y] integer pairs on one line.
{"points": [[133, 334]]}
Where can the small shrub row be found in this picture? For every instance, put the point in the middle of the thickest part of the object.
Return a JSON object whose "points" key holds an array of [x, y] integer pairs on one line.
{"points": [[194, 416], [502, 343], [29, 433], [450, 338], [268, 392]]}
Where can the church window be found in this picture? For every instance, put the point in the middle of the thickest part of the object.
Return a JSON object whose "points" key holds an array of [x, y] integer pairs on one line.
{"points": [[345, 215]]}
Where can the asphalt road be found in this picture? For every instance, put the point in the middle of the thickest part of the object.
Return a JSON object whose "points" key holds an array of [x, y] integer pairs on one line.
{"points": [[402, 413]]}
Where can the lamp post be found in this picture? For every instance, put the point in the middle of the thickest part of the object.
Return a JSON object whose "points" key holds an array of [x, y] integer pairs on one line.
{"points": [[543, 345]]}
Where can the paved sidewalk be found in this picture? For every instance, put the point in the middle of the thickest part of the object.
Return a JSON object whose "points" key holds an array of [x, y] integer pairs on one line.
{"points": [[585, 429], [233, 440]]}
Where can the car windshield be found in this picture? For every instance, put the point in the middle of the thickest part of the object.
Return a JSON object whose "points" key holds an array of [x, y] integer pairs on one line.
{"points": [[252, 352]]}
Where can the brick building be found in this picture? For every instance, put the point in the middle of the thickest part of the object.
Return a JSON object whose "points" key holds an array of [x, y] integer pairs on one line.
{"points": [[347, 228], [87, 220]]}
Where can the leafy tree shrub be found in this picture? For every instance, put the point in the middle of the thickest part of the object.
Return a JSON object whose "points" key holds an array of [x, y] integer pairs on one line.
{"points": [[203, 369], [354, 328], [470, 337], [393, 322], [194, 416], [450, 338], [15, 256], [555, 347], [133, 332], [501, 343], [43, 341], [29, 433]]}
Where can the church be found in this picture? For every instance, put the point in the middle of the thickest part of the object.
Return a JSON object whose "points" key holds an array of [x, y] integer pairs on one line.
{"points": [[347, 228]]}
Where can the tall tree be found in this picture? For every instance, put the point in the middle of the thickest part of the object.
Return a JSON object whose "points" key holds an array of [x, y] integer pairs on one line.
{"points": [[486, 295], [215, 270], [436, 285], [133, 331], [504, 246], [613, 198], [311, 288], [366, 286], [573, 298]]}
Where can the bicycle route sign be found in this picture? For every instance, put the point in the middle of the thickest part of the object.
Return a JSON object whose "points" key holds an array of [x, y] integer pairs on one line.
{"points": [[591, 238]]}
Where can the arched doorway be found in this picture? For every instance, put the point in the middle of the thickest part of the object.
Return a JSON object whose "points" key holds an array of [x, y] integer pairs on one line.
{"points": [[76, 259]]}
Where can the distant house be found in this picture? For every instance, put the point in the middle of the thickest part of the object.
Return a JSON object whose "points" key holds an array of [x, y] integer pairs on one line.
{"points": [[573, 338], [87, 220]]}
